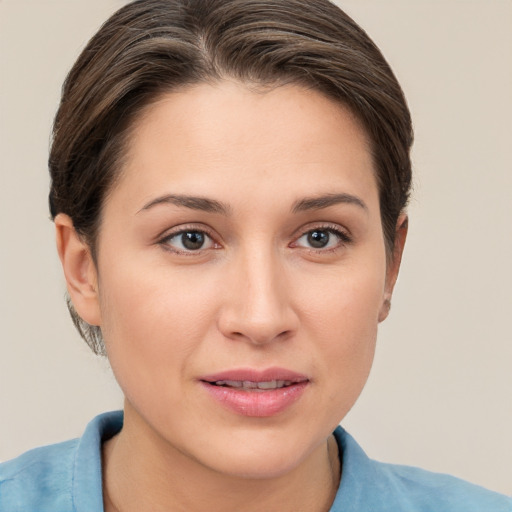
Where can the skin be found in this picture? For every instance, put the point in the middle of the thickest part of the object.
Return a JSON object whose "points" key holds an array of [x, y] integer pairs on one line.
{"points": [[256, 295]]}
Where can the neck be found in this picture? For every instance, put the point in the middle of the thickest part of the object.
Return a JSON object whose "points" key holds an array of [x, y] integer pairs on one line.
{"points": [[145, 473]]}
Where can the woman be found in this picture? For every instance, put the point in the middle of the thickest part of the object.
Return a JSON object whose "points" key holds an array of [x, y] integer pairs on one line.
{"points": [[229, 183]]}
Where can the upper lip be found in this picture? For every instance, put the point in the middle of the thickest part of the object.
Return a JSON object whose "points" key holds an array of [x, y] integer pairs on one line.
{"points": [[256, 375]]}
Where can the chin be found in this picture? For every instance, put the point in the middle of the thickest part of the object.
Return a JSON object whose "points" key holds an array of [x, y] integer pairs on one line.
{"points": [[257, 456], [259, 467]]}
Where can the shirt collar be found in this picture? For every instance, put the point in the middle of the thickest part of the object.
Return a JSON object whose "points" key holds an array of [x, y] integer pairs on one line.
{"points": [[360, 478], [87, 475]]}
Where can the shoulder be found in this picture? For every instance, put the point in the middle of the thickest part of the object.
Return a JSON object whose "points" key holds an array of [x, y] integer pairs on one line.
{"points": [[425, 491], [64, 477], [39, 479], [370, 485]]}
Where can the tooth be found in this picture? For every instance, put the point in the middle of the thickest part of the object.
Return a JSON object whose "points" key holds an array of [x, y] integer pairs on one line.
{"points": [[271, 384], [249, 384], [233, 383]]}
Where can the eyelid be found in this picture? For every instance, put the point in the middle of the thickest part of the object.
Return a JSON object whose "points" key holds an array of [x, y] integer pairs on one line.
{"points": [[184, 228], [342, 233], [339, 231]]}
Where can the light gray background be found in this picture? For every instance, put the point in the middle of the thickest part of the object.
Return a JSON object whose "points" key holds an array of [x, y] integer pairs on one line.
{"points": [[440, 395]]}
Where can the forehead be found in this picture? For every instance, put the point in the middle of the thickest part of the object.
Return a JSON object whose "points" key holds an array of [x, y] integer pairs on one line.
{"points": [[208, 139]]}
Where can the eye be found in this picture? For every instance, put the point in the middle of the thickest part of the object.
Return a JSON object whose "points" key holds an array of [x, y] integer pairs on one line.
{"points": [[322, 238], [189, 240]]}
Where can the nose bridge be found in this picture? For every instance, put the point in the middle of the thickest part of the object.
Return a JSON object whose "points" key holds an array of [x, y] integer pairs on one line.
{"points": [[263, 284], [258, 308]]}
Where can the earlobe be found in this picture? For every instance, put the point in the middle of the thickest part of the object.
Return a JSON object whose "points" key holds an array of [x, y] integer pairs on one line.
{"points": [[79, 270], [394, 265]]}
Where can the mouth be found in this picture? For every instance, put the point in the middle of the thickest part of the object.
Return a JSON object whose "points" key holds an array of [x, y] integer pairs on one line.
{"points": [[256, 393], [249, 385]]}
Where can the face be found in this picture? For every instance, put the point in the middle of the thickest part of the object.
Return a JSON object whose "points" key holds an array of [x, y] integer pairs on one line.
{"points": [[242, 273]]}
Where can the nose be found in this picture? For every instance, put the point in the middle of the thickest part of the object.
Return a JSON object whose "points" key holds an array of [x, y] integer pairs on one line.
{"points": [[257, 305]]}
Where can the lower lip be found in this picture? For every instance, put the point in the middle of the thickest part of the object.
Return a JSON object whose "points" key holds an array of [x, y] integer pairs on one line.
{"points": [[256, 403]]}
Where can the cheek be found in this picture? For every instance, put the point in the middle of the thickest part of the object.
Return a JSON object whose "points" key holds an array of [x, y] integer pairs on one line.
{"points": [[347, 299], [153, 321], [342, 315]]}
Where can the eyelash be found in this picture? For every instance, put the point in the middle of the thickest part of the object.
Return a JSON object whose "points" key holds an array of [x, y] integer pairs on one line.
{"points": [[343, 237], [164, 241]]}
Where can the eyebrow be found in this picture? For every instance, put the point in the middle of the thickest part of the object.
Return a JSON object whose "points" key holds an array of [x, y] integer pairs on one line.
{"points": [[193, 202], [320, 202], [212, 206]]}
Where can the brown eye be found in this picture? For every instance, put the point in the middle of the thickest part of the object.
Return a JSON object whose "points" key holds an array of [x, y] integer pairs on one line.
{"points": [[318, 238], [192, 240], [189, 240], [322, 238]]}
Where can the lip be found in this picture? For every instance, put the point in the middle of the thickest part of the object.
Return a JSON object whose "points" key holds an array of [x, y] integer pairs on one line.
{"points": [[255, 375], [257, 402]]}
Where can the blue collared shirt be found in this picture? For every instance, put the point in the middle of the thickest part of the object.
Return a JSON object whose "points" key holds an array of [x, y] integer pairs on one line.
{"points": [[66, 477]]}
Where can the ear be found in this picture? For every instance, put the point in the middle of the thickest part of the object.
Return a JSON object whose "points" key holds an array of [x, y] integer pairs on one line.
{"points": [[79, 270], [393, 265]]}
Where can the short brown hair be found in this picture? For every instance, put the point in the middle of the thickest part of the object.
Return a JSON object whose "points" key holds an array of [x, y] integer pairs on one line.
{"points": [[150, 47]]}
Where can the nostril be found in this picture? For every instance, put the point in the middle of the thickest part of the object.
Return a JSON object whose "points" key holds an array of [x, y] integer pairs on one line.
{"points": [[262, 337], [256, 320]]}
